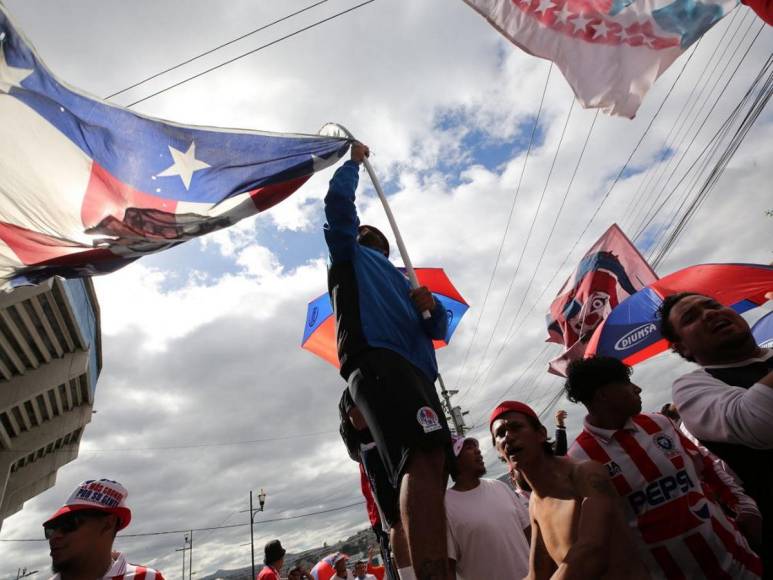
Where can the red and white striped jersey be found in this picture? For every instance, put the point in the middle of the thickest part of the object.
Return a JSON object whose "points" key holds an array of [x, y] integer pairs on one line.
{"points": [[672, 498], [122, 570]]}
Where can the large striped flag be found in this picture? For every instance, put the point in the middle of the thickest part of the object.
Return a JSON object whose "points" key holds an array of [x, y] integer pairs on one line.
{"points": [[87, 187], [610, 51]]}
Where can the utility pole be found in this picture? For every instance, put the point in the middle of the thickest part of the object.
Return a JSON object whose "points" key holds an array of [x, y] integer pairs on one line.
{"points": [[190, 561], [454, 413], [22, 573], [187, 545]]}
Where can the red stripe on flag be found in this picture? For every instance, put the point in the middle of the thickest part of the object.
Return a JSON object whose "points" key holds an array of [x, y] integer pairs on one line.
{"points": [[667, 563], [639, 456], [270, 195], [747, 558], [107, 196], [35, 248], [706, 559]]}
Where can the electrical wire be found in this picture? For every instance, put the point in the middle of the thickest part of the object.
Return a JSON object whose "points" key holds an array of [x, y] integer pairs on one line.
{"points": [[483, 376], [179, 447], [507, 229], [211, 528], [478, 379], [661, 188], [600, 205], [644, 227], [755, 110], [253, 51], [216, 48]]}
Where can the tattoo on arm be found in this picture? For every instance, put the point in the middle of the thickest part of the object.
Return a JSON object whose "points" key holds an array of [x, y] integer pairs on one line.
{"points": [[601, 484]]}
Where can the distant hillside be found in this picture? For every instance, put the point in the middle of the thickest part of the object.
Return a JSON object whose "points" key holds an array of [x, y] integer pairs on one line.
{"points": [[355, 546]]}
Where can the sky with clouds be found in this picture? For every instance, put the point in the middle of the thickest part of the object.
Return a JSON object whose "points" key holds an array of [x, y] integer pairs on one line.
{"points": [[205, 392]]}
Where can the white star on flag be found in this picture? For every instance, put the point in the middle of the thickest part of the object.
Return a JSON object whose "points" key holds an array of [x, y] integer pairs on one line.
{"points": [[545, 5], [580, 23], [600, 30], [564, 15], [10, 76], [185, 164]]}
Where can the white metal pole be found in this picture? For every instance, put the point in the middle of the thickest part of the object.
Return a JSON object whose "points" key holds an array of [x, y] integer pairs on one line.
{"points": [[390, 216], [398, 238]]}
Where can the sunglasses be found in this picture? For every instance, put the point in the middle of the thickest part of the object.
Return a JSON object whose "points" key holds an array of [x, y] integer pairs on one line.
{"points": [[69, 523]]}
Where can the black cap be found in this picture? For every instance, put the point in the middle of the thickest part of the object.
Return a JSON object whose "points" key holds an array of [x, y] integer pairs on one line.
{"points": [[274, 552]]}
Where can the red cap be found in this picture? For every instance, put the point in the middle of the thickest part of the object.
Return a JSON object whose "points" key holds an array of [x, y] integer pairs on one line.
{"points": [[103, 495], [510, 406]]}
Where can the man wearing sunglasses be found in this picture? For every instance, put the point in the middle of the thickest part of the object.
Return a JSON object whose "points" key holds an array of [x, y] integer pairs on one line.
{"points": [[81, 534]]}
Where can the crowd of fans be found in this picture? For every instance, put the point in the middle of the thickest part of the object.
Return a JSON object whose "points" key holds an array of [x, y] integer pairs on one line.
{"points": [[680, 494]]}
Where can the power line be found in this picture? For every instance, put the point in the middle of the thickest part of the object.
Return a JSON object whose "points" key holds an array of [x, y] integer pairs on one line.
{"points": [[657, 184], [178, 447], [601, 204], [482, 377], [223, 527], [756, 108], [216, 48], [504, 235], [253, 51], [644, 227]]}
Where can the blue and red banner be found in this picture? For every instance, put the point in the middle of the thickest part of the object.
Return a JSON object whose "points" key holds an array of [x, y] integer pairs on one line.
{"points": [[87, 187], [611, 271], [631, 332]]}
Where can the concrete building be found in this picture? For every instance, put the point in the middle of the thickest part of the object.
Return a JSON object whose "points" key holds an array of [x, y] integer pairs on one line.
{"points": [[50, 358]]}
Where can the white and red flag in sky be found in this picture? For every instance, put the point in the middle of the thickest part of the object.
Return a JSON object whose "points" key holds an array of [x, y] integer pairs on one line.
{"points": [[611, 271], [610, 51], [87, 187]]}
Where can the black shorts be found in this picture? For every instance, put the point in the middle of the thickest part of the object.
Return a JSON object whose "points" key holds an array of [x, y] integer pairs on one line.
{"points": [[384, 492], [401, 407]]}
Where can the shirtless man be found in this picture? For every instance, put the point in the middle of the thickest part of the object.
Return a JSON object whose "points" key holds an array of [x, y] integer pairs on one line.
{"points": [[577, 526]]}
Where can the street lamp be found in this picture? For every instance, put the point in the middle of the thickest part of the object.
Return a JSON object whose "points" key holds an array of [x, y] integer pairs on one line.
{"points": [[253, 511]]}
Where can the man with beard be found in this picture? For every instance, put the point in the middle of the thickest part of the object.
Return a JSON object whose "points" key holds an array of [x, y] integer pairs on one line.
{"points": [[487, 524], [727, 403], [674, 499], [577, 527], [81, 534]]}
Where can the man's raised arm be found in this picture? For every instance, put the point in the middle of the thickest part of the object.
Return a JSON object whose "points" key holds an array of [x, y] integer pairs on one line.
{"points": [[340, 211]]}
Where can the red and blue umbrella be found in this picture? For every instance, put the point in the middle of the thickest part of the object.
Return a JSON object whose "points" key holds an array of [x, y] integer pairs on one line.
{"points": [[325, 568], [319, 335], [763, 331], [631, 331]]}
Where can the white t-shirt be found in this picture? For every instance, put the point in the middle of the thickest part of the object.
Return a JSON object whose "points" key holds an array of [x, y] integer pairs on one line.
{"points": [[486, 532]]}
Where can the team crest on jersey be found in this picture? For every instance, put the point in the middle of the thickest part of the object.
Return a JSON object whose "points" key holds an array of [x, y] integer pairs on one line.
{"points": [[613, 469], [428, 419], [665, 443]]}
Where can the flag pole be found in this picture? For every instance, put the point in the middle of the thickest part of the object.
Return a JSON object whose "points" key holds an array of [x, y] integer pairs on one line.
{"points": [[404, 255], [409, 270]]}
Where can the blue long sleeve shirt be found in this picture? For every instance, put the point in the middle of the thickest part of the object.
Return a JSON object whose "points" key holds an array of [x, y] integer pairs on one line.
{"points": [[370, 295]]}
